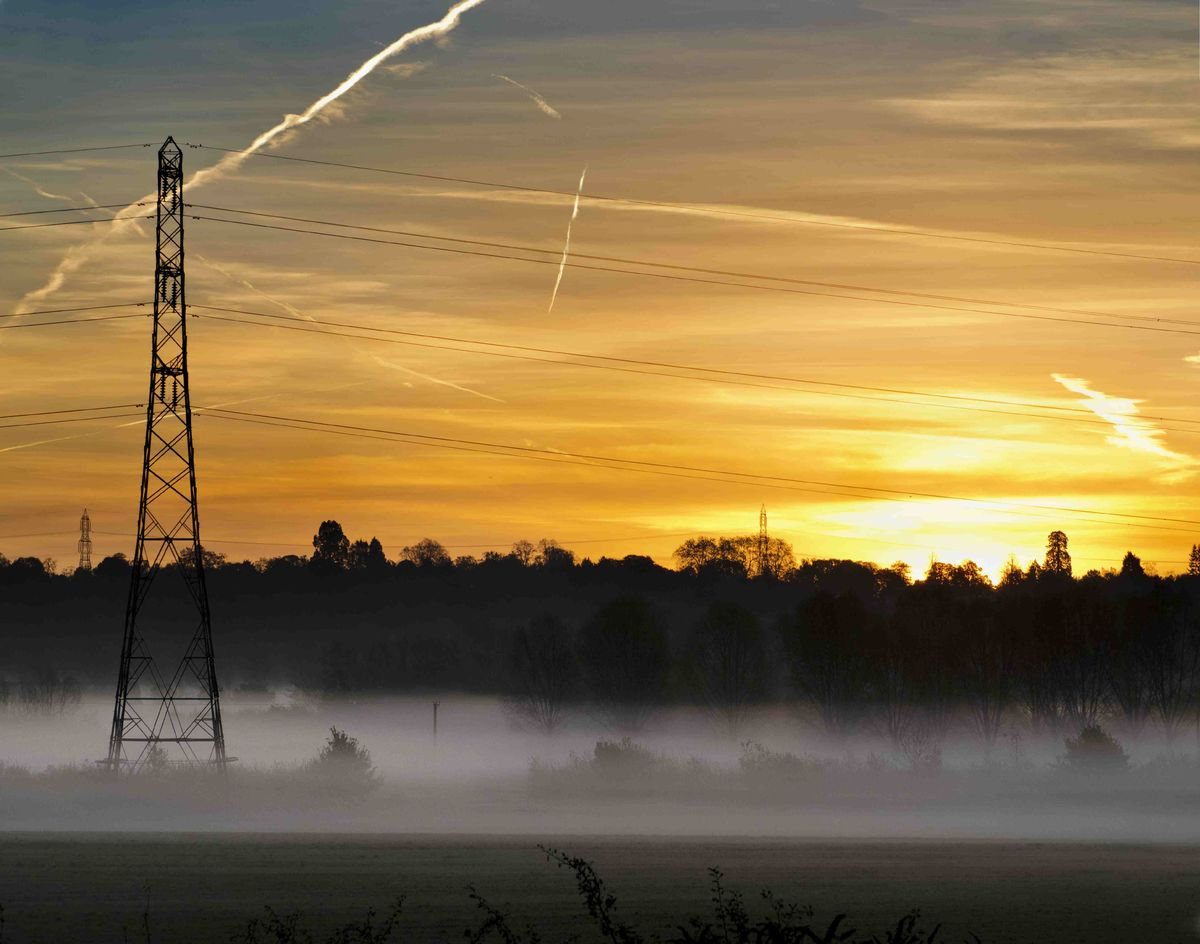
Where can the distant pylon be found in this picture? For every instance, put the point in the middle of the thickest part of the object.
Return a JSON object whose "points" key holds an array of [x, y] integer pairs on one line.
{"points": [[183, 709], [85, 541], [764, 543]]}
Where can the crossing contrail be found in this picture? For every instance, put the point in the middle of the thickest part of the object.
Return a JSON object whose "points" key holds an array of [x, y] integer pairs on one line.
{"points": [[36, 187], [541, 103], [77, 255], [562, 265]]}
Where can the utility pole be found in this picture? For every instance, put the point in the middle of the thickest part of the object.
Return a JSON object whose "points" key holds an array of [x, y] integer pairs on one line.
{"points": [[85, 542], [764, 544], [435, 708], [183, 709]]}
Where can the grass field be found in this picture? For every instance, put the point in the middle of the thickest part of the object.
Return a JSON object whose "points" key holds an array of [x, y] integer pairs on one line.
{"points": [[201, 888]]}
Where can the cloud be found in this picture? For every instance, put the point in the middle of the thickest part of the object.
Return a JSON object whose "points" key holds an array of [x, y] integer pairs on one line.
{"points": [[1132, 431], [1149, 97], [406, 70]]}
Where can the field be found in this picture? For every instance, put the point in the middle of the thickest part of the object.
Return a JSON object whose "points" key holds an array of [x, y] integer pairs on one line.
{"points": [[201, 888]]}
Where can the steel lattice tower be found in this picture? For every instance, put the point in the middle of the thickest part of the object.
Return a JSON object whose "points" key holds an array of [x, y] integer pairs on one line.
{"points": [[85, 541], [153, 710], [764, 543]]}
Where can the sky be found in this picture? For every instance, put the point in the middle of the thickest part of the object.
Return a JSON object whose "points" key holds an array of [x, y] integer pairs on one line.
{"points": [[1064, 123]]}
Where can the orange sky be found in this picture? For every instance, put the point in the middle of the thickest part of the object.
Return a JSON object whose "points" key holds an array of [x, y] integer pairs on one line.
{"points": [[1073, 123]]}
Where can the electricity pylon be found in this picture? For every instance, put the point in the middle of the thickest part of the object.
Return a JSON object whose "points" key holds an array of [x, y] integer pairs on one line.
{"points": [[764, 544], [85, 541], [184, 709]]}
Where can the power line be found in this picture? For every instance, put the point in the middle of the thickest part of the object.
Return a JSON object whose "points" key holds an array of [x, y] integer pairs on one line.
{"points": [[557, 252], [75, 419], [562, 541], [891, 231], [742, 477], [70, 321], [722, 378], [693, 279], [81, 409], [10, 229], [78, 150], [105, 206], [60, 311]]}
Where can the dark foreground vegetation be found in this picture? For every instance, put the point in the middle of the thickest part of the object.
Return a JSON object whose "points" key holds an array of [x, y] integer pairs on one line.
{"points": [[854, 647], [731, 921]]}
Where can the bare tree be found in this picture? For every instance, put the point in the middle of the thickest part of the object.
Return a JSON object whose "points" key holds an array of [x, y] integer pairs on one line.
{"points": [[426, 553], [524, 552], [625, 661], [45, 691], [729, 663], [988, 666], [822, 645], [544, 673]]}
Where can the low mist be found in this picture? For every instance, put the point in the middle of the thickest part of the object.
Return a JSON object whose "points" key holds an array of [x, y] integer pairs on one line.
{"points": [[682, 773]]}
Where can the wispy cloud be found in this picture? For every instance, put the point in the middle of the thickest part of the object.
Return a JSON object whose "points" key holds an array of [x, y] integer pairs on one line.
{"points": [[537, 99], [562, 265], [1131, 431], [1141, 95]]}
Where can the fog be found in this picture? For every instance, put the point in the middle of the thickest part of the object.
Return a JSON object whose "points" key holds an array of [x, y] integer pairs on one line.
{"points": [[679, 775]]}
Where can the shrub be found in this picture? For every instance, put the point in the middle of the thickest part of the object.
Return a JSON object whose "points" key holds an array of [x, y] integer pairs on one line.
{"points": [[622, 759], [758, 762], [1095, 751], [345, 766]]}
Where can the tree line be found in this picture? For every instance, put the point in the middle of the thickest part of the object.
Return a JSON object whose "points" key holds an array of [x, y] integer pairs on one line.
{"points": [[733, 626]]}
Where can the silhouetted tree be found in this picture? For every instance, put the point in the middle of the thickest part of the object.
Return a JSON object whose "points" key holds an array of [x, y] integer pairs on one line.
{"points": [[544, 673], [729, 663], [1193, 567], [113, 567], [988, 664], [367, 555], [211, 559], [426, 553], [331, 548], [1058, 559], [624, 658], [1131, 565], [823, 644], [553, 557], [712, 558], [524, 552]]}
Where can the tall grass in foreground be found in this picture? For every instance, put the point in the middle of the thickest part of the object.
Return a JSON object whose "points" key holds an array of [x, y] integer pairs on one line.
{"points": [[730, 921]]}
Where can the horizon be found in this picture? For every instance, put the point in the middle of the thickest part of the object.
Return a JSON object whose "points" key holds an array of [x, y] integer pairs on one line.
{"points": [[1021, 344]]}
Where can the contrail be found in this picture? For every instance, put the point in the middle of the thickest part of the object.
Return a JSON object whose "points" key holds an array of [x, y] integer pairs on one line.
{"points": [[36, 187], [246, 283], [562, 265], [76, 256], [436, 380], [541, 103]]}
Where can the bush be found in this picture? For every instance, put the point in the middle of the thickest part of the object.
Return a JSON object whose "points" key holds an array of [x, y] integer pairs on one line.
{"points": [[761, 763], [622, 759], [1095, 751], [345, 766]]}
